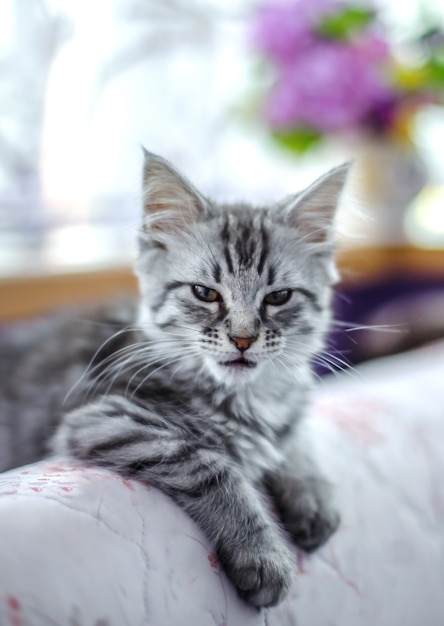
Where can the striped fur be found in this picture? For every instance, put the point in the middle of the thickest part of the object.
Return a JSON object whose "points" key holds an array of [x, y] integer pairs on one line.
{"points": [[198, 390]]}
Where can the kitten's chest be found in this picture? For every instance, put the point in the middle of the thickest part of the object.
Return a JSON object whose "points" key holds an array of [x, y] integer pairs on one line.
{"points": [[256, 453], [251, 435]]}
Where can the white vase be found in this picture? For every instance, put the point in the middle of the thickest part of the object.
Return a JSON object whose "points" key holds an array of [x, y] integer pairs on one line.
{"points": [[386, 178]]}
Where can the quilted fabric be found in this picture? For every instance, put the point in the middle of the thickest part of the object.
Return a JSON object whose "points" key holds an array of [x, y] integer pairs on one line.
{"points": [[83, 547]]}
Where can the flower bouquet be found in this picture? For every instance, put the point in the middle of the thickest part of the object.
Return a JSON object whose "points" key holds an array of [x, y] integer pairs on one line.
{"points": [[333, 73]]}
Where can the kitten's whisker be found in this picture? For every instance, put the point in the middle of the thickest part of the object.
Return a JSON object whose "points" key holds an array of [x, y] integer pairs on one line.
{"points": [[148, 376], [335, 364], [125, 365], [97, 352], [115, 363], [350, 327], [134, 351], [286, 363], [113, 371]]}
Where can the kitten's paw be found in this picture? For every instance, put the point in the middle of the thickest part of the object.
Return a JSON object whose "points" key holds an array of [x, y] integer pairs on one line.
{"points": [[261, 575], [313, 524]]}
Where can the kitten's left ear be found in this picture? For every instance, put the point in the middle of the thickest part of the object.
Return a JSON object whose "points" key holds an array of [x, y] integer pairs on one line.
{"points": [[170, 202], [313, 210]]}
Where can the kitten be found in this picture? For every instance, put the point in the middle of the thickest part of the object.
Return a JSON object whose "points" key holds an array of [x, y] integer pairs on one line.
{"points": [[200, 388]]}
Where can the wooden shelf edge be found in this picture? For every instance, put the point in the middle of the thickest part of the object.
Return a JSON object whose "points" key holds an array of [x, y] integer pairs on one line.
{"points": [[374, 263], [28, 296]]}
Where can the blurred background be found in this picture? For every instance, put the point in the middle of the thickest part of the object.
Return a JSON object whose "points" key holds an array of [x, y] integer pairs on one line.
{"points": [[251, 101]]}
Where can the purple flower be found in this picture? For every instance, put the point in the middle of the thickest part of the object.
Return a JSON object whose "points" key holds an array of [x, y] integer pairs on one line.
{"points": [[282, 30], [327, 84], [373, 47], [332, 87], [382, 115]]}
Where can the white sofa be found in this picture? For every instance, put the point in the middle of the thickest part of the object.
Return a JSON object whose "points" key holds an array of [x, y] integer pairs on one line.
{"points": [[81, 546]]}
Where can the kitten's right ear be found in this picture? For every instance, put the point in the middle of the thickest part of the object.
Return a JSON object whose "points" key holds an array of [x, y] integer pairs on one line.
{"points": [[313, 210], [171, 204]]}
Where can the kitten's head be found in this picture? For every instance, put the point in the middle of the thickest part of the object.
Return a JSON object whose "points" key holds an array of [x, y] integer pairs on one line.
{"points": [[229, 291]]}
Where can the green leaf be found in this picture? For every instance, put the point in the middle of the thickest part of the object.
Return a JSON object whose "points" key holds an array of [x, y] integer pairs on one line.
{"points": [[296, 140], [435, 69], [343, 24]]}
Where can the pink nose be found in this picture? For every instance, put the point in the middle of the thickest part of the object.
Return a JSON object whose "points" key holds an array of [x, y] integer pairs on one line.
{"points": [[243, 343]]}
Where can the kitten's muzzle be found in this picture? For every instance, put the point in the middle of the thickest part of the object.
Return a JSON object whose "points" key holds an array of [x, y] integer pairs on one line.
{"points": [[239, 363]]}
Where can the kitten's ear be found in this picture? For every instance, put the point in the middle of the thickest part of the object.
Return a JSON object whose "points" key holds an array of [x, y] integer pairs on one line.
{"points": [[313, 210], [170, 202]]}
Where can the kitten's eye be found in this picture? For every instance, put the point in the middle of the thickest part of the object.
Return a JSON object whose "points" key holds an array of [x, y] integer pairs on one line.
{"points": [[206, 294], [277, 298]]}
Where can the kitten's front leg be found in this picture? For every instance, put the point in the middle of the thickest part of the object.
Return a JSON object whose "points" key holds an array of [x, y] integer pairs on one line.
{"points": [[248, 543], [303, 499], [114, 433]]}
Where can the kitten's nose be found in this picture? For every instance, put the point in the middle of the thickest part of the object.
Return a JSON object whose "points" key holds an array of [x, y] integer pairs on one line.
{"points": [[243, 343]]}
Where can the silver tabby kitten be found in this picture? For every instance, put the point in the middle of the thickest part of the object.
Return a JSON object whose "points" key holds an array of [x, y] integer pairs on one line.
{"points": [[200, 391]]}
